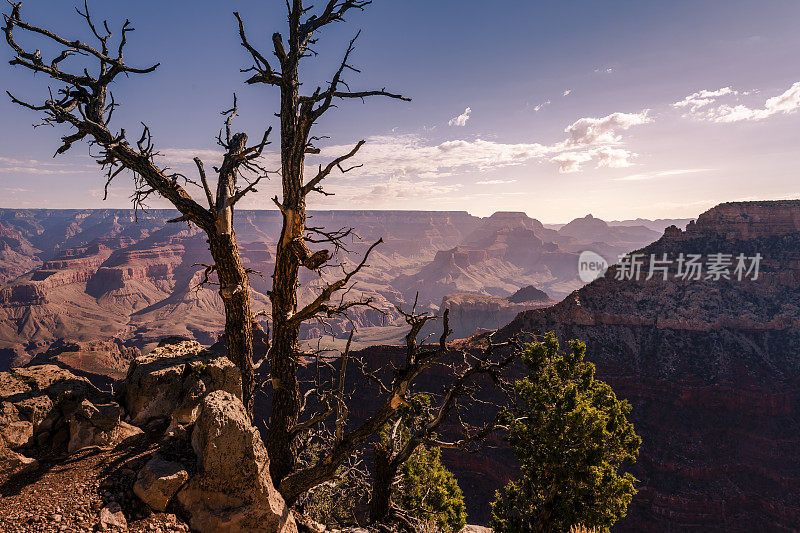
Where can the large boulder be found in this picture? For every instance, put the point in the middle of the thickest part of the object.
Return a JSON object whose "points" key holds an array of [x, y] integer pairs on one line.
{"points": [[12, 463], [48, 405], [158, 481], [170, 382], [232, 491], [82, 434]]}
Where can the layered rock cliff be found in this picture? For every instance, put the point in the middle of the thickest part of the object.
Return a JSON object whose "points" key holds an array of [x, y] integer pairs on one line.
{"points": [[474, 313], [86, 275], [710, 367]]}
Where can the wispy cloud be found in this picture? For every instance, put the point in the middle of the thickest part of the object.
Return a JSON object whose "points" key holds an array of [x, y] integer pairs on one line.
{"points": [[701, 108], [703, 98], [539, 107], [662, 174], [605, 156], [494, 182], [570, 162], [10, 165], [588, 139], [461, 120], [411, 155], [786, 103], [567, 92], [604, 129], [186, 156]]}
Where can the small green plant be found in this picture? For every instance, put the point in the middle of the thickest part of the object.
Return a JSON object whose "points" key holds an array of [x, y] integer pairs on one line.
{"points": [[199, 368], [430, 492], [572, 436]]}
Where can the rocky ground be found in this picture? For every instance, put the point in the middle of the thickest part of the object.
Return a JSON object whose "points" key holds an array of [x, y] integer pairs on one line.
{"points": [[174, 439], [83, 493]]}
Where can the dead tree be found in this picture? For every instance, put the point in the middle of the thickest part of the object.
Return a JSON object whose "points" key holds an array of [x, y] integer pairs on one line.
{"points": [[397, 448], [85, 103], [298, 114], [394, 383]]}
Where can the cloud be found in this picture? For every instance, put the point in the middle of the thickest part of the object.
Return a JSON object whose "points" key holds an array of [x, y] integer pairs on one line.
{"points": [[605, 156], [494, 182], [461, 120], [703, 98], [786, 103], [10, 165], [662, 174], [398, 189], [604, 130], [613, 157], [608, 70], [538, 107], [186, 156], [37, 170], [567, 92], [411, 155], [571, 161], [698, 103]]}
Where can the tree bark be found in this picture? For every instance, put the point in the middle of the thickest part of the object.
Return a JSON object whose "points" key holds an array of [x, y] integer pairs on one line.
{"points": [[285, 346], [235, 293], [385, 473]]}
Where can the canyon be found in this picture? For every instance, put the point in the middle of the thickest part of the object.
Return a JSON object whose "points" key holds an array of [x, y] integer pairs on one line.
{"points": [[710, 367], [118, 275]]}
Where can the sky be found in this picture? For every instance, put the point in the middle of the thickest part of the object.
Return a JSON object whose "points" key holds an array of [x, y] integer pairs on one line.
{"points": [[621, 109]]}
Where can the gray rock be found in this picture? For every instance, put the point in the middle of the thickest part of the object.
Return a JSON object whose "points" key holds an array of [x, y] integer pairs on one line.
{"points": [[12, 463], [14, 430], [158, 481], [102, 416], [112, 518], [82, 434], [170, 382], [49, 406], [233, 491], [36, 410]]}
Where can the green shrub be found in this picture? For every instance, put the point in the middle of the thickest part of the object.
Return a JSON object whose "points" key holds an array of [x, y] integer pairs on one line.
{"points": [[572, 436]]}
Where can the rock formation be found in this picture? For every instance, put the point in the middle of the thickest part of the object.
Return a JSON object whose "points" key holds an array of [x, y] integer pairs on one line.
{"points": [[45, 408], [711, 369], [169, 383], [158, 481], [106, 275], [474, 313], [200, 457], [233, 491]]}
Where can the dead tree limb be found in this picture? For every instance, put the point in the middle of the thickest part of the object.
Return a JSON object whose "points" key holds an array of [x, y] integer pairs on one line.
{"points": [[86, 105]]}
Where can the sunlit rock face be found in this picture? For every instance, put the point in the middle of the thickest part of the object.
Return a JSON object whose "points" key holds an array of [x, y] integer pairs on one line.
{"points": [[132, 278], [711, 368]]}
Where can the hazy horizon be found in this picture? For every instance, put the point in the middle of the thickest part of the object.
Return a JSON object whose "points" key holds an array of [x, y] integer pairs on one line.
{"points": [[622, 110], [344, 210]]}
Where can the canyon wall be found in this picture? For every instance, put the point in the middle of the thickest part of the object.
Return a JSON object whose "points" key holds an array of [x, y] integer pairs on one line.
{"points": [[711, 368], [88, 275]]}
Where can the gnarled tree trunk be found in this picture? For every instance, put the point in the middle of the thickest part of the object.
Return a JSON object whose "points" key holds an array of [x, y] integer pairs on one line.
{"points": [[285, 348]]}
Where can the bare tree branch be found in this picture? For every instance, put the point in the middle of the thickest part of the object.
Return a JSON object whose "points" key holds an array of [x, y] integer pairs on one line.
{"points": [[265, 73], [312, 308], [312, 185]]}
